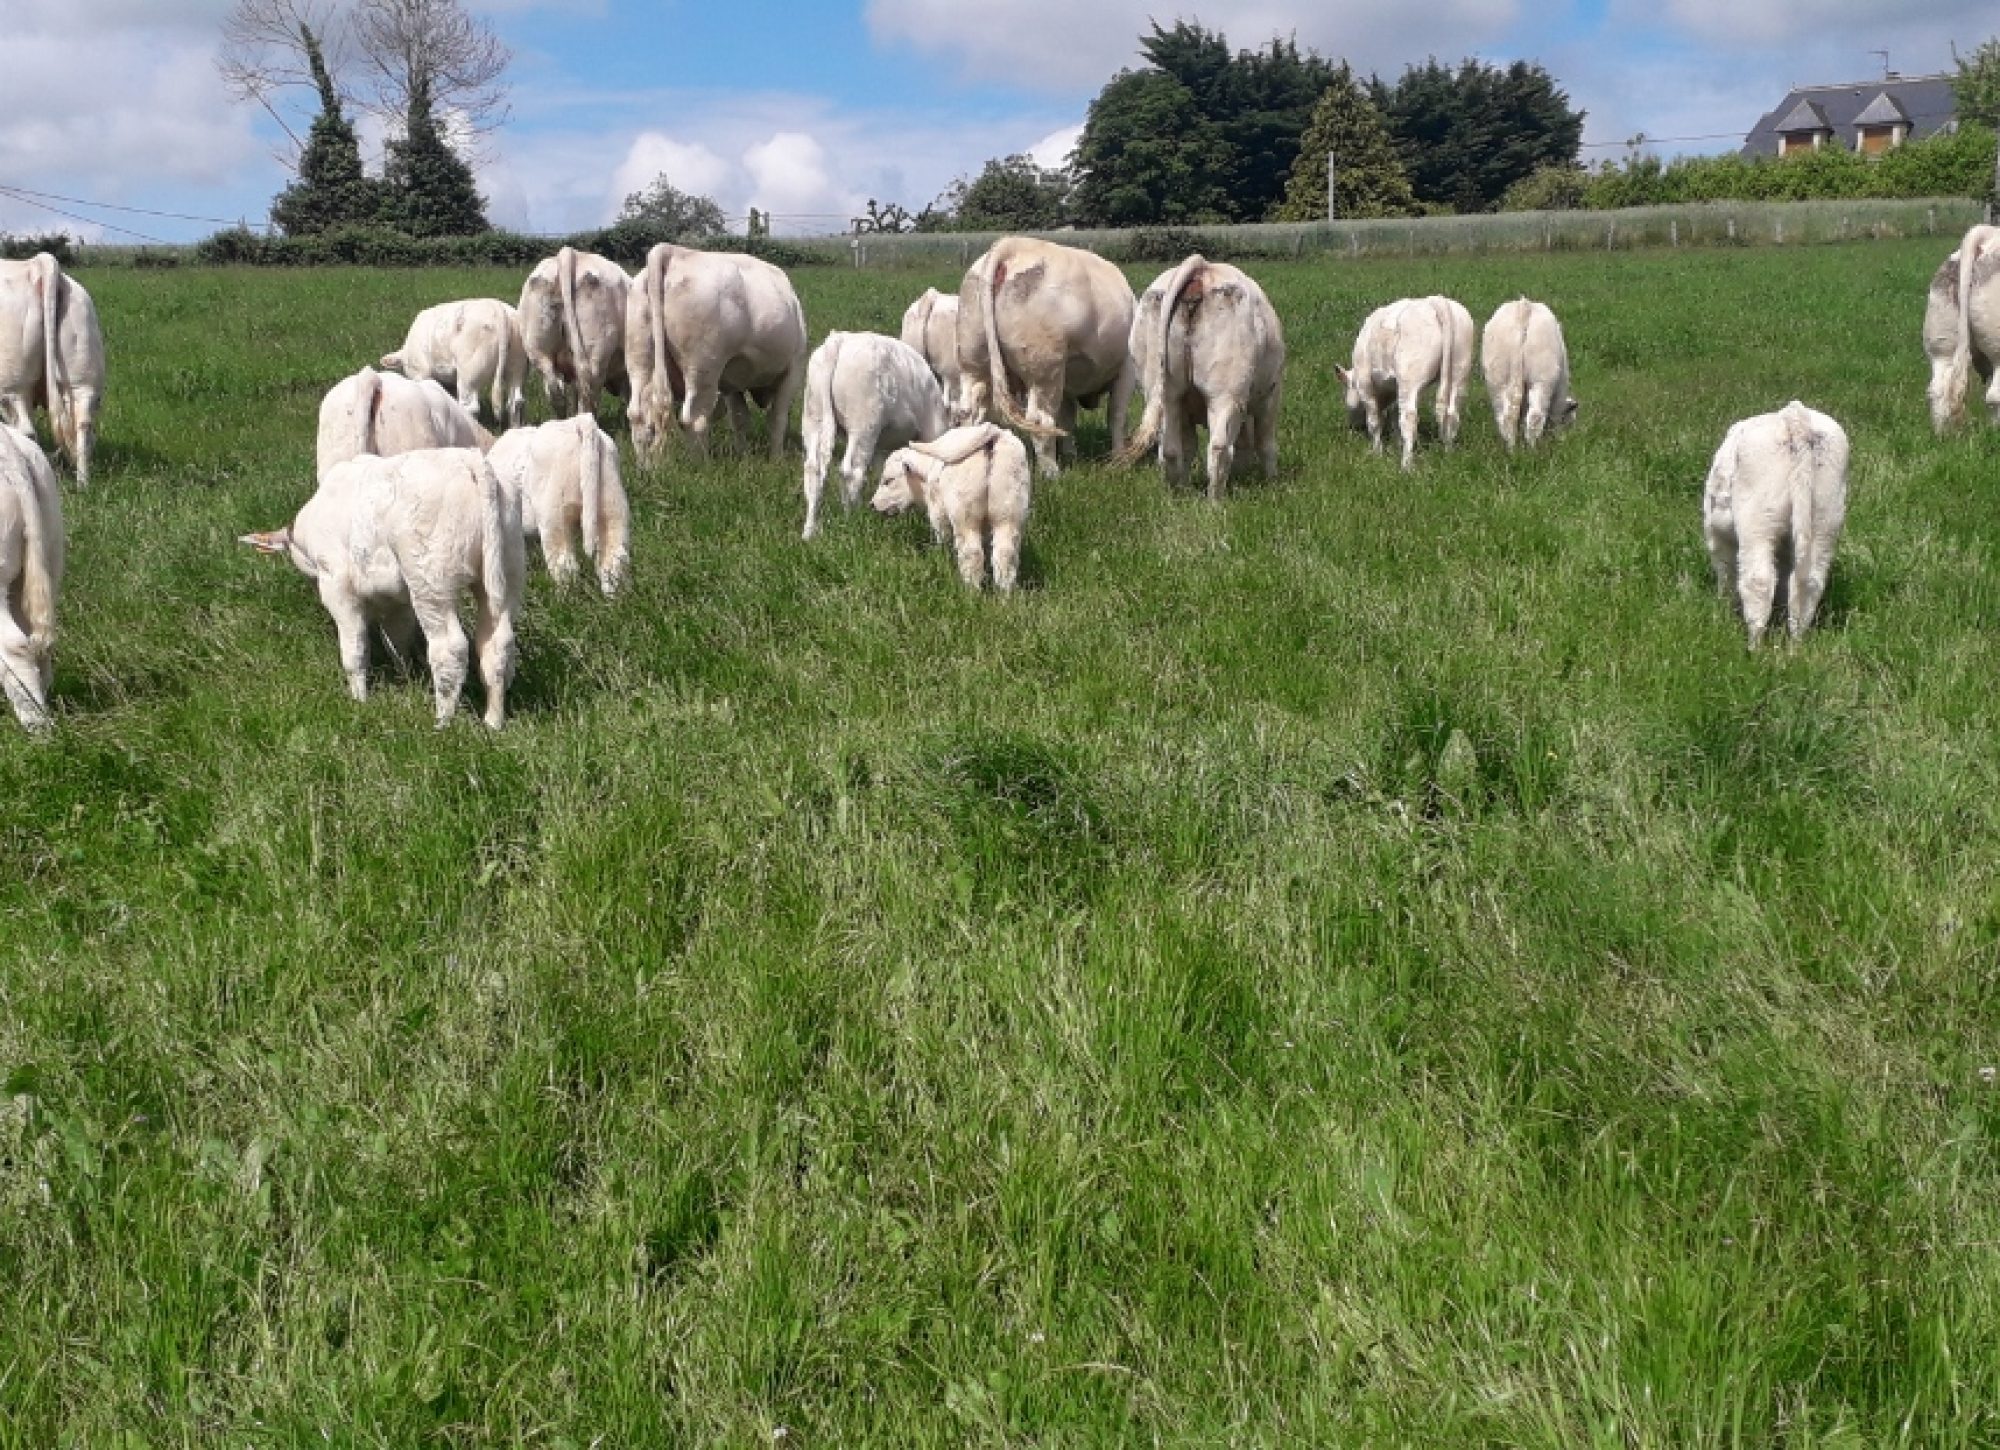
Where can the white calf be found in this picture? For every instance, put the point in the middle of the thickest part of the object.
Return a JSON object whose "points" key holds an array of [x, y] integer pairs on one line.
{"points": [[1404, 348], [51, 353], [973, 481], [877, 391], [1774, 503], [566, 477], [930, 325], [473, 348], [383, 414], [1527, 371], [31, 567], [394, 542]]}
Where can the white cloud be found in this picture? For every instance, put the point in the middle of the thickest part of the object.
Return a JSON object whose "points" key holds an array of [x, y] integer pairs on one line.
{"points": [[790, 177], [1051, 153], [1061, 45], [1843, 25], [691, 168]]}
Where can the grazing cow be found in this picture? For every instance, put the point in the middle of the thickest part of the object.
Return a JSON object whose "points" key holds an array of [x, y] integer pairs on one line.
{"points": [[566, 477], [706, 325], [573, 324], [1404, 348], [1773, 506], [1962, 327], [1527, 371], [52, 354], [1209, 348], [973, 481], [930, 325], [877, 391], [1055, 323], [31, 568], [394, 542], [384, 414], [473, 348]]}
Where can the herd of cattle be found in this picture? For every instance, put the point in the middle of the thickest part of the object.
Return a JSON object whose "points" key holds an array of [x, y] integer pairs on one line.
{"points": [[418, 503]]}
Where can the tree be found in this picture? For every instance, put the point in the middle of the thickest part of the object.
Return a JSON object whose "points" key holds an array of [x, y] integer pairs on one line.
{"points": [[1013, 194], [1249, 110], [331, 189], [428, 189], [1465, 136], [1977, 85], [1369, 180], [374, 50], [1148, 154], [673, 213], [433, 45]]}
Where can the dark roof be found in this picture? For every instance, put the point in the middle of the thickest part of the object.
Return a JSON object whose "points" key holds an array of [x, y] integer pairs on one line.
{"points": [[1926, 103]]}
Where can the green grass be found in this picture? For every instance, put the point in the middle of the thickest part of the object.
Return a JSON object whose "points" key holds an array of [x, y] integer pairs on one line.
{"points": [[1374, 963]]}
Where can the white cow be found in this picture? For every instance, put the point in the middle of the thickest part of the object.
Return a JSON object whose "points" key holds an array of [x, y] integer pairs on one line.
{"points": [[1962, 327], [1209, 349], [877, 391], [31, 569], [384, 414], [1404, 348], [701, 326], [51, 354], [1054, 323], [394, 542], [930, 325], [973, 483], [573, 324], [1773, 506], [566, 477], [1526, 367], [473, 348]]}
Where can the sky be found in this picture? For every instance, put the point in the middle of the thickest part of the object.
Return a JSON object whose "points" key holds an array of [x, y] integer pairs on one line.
{"points": [[809, 110]]}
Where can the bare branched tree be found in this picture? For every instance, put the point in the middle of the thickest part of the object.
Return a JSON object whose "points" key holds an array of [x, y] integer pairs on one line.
{"points": [[264, 58], [408, 43]]}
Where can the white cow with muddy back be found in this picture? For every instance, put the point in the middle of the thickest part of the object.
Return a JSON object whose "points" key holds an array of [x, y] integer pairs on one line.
{"points": [[880, 393], [1052, 324], [1962, 327], [31, 570], [1209, 350], [1403, 349], [701, 327], [573, 325], [474, 350], [386, 414], [51, 355], [1772, 511], [566, 477], [1526, 367], [393, 543]]}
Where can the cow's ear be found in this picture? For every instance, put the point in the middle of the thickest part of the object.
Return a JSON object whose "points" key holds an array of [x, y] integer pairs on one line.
{"points": [[278, 541], [1342, 373]]}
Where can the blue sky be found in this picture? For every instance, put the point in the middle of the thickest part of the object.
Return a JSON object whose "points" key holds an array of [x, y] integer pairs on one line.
{"points": [[810, 109]]}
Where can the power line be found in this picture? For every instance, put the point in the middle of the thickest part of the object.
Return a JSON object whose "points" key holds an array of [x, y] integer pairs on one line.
{"points": [[8, 191], [179, 216]]}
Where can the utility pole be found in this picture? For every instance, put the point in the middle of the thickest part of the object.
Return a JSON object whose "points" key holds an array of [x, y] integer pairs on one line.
{"points": [[1332, 210]]}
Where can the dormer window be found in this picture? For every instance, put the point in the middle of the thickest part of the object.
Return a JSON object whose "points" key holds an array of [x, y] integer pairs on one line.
{"points": [[1882, 126], [1804, 129]]}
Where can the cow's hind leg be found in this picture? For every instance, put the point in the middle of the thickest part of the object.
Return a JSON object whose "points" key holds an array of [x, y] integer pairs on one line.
{"points": [[854, 463], [449, 650], [23, 672], [1406, 425], [1756, 587], [778, 412], [494, 637], [1006, 555], [1174, 441]]}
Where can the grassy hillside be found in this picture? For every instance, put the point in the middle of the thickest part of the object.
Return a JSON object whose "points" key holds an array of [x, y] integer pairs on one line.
{"points": [[1377, 962]]}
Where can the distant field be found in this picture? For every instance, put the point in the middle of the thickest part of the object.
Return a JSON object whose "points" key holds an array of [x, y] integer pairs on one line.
{"points": [[1126, 1013]]}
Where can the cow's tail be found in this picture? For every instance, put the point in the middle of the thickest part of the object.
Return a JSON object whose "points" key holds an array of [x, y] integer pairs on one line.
{"points": [[41, 566], [1803, 450], [513, 363], [1447, 389], [572, 329], [604, 501], [48, 276], [996, 367], [1155, 381], [661, 403], [367, 402], [502, 554], [817, 416], [1517, 386], [590, 483], [926, 304], [1958, 375]]}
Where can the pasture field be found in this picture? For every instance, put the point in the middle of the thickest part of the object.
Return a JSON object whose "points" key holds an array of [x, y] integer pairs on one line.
{"points": [[1374, 963]]}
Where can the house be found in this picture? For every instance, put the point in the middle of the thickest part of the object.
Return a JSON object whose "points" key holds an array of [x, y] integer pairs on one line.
{"points": [[1866, 116]]}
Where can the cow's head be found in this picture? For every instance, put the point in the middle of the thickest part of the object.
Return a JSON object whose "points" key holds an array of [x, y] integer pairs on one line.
{"points": [[651, 416], [1566, 414], [902, 485], [1350, 381]]}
